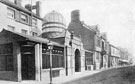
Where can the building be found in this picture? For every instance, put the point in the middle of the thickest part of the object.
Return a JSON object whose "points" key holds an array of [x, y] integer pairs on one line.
{"points": [[87, 34], [16, 18], [113, 59], [21, 48], [104, 51], [124, 57], [54, 28]]}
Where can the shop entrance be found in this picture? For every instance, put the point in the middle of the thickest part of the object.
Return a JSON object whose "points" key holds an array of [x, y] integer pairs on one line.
{"points": [[77, 61], [28, 62]]}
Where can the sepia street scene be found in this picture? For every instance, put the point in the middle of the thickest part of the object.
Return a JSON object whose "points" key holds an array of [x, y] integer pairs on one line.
{"points": [[67, 42]]}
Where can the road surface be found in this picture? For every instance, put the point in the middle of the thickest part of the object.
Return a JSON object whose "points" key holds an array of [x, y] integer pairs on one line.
{"points": [[120, 75]]}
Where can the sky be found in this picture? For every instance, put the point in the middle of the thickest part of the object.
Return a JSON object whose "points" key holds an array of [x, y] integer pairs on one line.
{"points": [[115, 17]]}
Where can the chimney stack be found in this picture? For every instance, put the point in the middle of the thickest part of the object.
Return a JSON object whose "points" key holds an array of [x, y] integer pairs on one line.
{"points": [[18, 2], [38, 8], [28, 7], [75, 15]]}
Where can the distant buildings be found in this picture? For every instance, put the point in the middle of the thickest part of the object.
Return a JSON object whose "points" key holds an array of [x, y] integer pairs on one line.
{"points": [[25, 50]]}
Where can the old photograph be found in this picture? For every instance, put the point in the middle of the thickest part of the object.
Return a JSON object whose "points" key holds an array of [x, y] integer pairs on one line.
{"points": [[67, 41]]}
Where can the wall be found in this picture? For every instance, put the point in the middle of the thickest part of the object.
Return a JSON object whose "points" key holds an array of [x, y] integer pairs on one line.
{"points": [[77, 44], [87, 35]]}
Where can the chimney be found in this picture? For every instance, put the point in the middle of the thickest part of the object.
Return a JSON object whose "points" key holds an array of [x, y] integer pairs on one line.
{"points": [[75, 15], [38, 8], [18, 2], [28, 7]]}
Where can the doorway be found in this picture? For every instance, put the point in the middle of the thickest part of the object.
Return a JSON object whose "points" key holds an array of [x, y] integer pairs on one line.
{"points": [[77, 61], [28, 62]]}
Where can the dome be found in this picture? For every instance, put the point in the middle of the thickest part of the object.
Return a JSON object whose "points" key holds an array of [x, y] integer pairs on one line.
{"points": [[53, 24]]}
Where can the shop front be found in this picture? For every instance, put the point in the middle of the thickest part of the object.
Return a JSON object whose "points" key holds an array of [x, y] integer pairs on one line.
{"points": [[24, 57]]}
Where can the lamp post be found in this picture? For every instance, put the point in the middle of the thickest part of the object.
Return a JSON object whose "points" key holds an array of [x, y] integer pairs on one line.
{"points": [[50, 47]]}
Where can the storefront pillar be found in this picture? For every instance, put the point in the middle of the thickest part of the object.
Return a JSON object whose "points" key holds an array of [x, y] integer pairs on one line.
{"points": [[40, 50], [17, 63], [37, 61]]}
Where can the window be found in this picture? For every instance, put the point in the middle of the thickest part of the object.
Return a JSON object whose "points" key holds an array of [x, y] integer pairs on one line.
{"points": [[24, 31], [11, 13], [11, 28], [103, 45], [6, 57], [57, 58], [89, 58], [98, 42], [34, 22], [24, 18]]}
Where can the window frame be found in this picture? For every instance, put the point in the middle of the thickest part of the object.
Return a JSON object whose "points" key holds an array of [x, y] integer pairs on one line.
{"points": [[8, 57], [12, 15], [34, 23], [27, 18]]}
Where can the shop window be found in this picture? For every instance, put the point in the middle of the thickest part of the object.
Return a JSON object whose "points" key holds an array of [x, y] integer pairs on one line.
{"points": [[6, 57], [34, 22], [11, 13], [89, 58], [57, 58]]}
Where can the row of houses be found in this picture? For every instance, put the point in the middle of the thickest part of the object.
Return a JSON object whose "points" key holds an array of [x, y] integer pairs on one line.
{"points": [[26, 53]]}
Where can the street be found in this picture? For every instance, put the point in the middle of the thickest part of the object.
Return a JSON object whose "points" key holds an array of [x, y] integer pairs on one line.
{"points": [[121, 75]]}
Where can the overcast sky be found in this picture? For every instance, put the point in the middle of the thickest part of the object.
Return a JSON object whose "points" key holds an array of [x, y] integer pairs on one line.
{"points": [[116, 17]]}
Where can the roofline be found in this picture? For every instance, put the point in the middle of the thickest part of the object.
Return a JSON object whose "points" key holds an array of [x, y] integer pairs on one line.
{"points": [[114, 46], [34, 39], [6, 2], [86, 26]]}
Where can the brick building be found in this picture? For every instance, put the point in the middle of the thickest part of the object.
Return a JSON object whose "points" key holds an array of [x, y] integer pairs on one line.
{"points": [[87, 35]]}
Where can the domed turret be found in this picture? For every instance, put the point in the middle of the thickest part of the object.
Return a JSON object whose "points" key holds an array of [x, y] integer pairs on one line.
{"points": [[53, 25]]}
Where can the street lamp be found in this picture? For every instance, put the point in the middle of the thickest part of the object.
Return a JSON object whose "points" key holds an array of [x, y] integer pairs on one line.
{"points": [[50, 47]]}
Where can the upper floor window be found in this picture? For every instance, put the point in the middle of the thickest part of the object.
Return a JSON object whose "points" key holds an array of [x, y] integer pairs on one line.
{"points": [[24, 18], [24, 31], [103, 45], [11, 13], [34, 22], [11, 28], [98, 42], [12, 1]]}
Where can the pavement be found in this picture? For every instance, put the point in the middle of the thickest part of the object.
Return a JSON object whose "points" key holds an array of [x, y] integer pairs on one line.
{"points": [[57, 80], [100, 76], [77, 75]]}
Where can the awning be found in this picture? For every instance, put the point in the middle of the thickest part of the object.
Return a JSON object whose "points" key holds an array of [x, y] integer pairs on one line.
{"points": [[121, 60], [31, 38]]}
